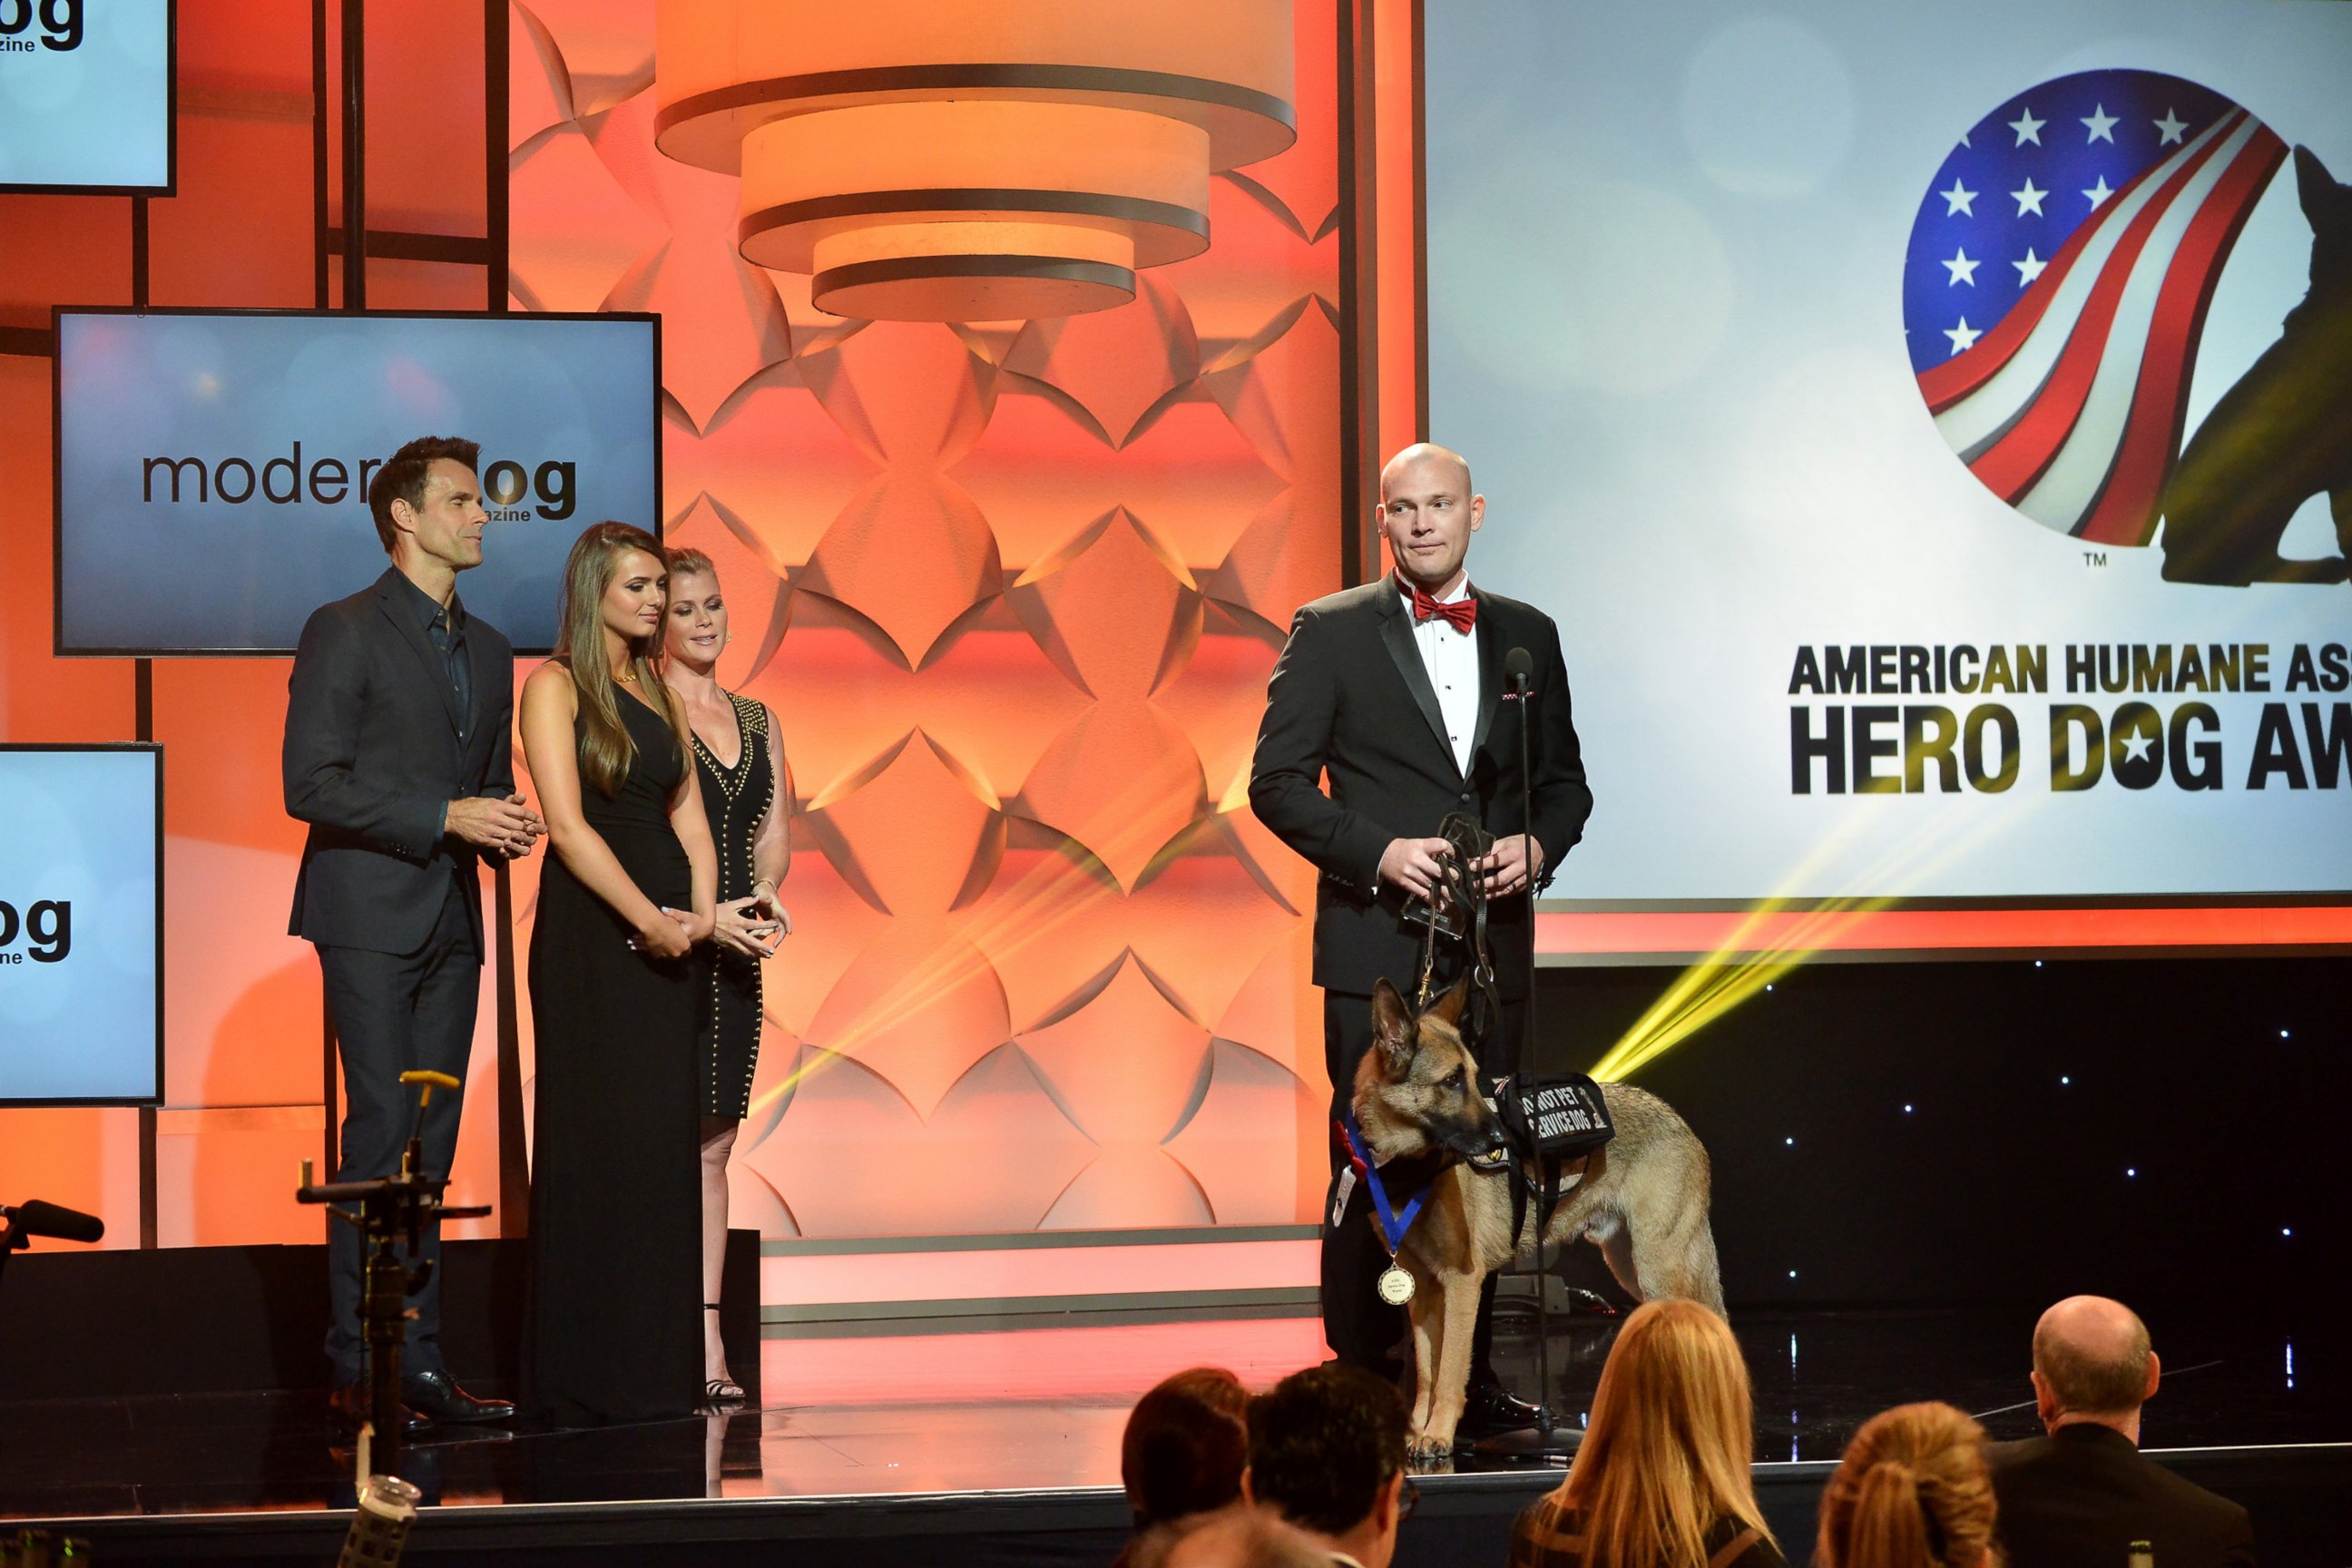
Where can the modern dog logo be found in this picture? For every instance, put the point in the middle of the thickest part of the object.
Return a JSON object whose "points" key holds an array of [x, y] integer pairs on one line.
{"points": [[46, 927], [511, 492], [54, 25], [2054, 297]]}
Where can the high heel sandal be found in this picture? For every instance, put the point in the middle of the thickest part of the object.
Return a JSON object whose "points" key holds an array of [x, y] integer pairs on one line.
{"points": [[722, 1392]]}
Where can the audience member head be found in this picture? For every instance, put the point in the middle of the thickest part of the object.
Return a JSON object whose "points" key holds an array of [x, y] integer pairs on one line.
{"points": [[1327, 1450], [1186, 1442], [1667, 1449], [1912, 1492], [2092, 1362], [1232, 1538]]}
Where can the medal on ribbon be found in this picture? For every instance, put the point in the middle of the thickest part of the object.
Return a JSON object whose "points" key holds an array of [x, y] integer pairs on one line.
{"points": [[1396, 1284]]}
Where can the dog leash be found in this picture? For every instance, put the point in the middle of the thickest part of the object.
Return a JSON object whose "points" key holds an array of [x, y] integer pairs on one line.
{"points": [[1396, 1284]]}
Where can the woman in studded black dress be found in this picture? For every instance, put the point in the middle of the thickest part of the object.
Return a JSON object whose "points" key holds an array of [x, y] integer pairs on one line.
{"points": [[747, 796]]}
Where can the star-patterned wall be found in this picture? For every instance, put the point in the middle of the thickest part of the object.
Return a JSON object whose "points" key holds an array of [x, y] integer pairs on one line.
{"points": [[1012, 592]]}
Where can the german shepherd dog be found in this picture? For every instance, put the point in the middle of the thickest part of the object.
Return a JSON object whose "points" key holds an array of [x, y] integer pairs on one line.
{"points": [[2283, 434], [1642, 1198]]}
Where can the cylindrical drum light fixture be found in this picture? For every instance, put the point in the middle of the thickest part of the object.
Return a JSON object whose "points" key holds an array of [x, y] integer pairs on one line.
{"points": [[932, 160]]}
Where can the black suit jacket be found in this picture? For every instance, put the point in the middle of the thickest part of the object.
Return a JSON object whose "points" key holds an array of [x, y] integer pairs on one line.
{"points": [[1351, 699], [371, 757], [2080, 1497]]}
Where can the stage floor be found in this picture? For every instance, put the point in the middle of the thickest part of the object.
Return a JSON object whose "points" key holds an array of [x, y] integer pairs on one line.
{"points": [[1040, 1412]]}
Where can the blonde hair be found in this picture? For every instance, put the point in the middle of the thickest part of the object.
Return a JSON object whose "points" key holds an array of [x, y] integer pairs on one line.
{"points": [[685, 560], [1667, 1452], [606, 750], [1913, 1491]]}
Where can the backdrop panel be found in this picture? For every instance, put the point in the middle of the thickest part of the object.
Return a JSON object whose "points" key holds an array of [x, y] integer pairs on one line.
{"points": [[1012, 590], [1902, 421]]}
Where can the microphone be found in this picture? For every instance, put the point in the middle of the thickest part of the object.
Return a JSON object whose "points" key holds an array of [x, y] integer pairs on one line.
{"points": [[1518, 668], [36, 1218]]}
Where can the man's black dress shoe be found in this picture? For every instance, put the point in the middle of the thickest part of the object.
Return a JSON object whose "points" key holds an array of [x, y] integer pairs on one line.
{"points": [[1489, 1409], [435, 1394], [351, 1405]]}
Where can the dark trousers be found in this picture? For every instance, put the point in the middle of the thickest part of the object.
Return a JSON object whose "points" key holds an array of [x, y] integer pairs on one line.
{"points": [[396, 1013], [1361, 1329]]}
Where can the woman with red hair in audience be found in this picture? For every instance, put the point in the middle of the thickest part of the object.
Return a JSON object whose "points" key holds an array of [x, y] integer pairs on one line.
{"points": [[1186, 1442]]}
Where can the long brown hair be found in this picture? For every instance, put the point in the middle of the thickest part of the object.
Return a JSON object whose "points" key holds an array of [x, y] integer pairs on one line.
{"points": [[606, 752], [1667, 1452], [1912, 1492]]}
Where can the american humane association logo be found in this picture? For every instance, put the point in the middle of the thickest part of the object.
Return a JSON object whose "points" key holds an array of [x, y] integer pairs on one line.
{"points": [[2054, 296]]}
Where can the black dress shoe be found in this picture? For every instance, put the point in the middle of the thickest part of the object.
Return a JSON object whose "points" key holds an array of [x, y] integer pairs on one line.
{"points": [[353, 1404], [437, 1395], [1490, 1409]]}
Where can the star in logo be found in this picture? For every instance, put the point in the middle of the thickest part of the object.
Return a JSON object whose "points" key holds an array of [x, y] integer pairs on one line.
{"points": [[2098, 193], [1963, 336], [2030, 268], [2140, 738], [1963, 271], [2029, 200], [2028, 129], [1958, 199], [2101, 124], [2168, 130]]}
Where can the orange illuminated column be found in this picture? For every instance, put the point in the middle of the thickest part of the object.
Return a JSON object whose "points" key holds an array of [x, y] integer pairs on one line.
{"points": [[997, 163]]}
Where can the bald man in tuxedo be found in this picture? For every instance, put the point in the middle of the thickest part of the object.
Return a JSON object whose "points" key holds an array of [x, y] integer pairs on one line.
{"points": [[1394, 690]]}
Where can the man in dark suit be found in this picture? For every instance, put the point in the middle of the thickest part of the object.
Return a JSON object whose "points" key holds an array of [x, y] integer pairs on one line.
{"points": [[2080, 1496], [398, 754], [1395, 690]]}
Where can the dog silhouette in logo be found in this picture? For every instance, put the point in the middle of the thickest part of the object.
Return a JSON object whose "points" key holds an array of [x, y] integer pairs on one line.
{"points": [[2283, 434]]}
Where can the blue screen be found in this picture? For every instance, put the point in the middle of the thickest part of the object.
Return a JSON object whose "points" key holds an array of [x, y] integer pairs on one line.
{"points": [[210, 467], [85, 95], [80, 900]]}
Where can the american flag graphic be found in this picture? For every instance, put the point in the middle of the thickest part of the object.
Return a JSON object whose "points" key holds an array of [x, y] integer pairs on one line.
{"points": [[2056, 287]]}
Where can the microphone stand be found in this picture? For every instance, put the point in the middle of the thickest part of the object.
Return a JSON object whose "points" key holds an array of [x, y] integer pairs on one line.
{"points": [[1543, 1442], [390, 1207]]}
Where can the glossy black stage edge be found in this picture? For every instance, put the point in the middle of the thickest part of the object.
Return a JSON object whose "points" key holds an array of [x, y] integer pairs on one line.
{"points": [[251, 1477]]}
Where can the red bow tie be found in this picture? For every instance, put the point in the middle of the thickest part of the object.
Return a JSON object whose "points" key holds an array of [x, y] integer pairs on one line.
{"points": [[1460, 615]]}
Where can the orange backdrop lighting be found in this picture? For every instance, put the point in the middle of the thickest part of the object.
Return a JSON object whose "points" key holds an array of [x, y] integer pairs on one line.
{"points": [[1012, 587]]}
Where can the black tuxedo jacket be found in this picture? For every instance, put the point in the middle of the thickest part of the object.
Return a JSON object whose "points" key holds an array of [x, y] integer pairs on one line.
{"points": [[372, 756], [2080, 1497], [1351, 699]]}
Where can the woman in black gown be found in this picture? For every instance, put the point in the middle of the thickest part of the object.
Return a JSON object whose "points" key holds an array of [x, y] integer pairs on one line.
{"points": [[614, 1256], [746, 795]]}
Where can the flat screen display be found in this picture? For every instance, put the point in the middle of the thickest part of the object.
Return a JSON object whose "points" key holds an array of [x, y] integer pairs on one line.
{"points": [[1922, 424], [213, 466], [86, 97], [81, 916]]}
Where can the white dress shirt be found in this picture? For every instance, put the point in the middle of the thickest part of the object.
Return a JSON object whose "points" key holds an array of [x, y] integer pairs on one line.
{"points": [[1450, 657]]}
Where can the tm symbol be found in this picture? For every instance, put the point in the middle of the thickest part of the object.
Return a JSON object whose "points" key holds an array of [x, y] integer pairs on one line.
{"points": [[2095, 557]]}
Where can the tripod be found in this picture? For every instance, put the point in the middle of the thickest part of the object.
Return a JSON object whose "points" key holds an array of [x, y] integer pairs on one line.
{"points": [[391, 1209]]}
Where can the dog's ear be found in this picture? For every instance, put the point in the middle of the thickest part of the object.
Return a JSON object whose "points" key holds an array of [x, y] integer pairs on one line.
{"points": [[1448, 1010], [1393, 1034], [2324, 200]]}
